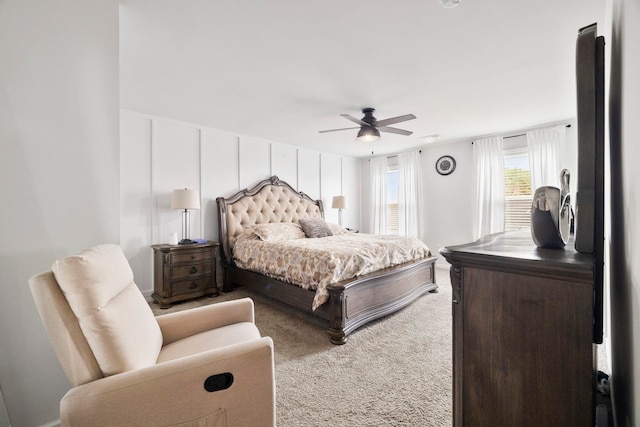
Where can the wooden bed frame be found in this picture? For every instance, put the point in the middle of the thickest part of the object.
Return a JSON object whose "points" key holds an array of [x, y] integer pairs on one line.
{"points": [[352, 303]]}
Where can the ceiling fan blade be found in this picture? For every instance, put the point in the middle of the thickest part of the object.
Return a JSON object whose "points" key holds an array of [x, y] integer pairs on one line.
{"points": [[394, 130], [354, 120], [334, 130], [393, 120]]}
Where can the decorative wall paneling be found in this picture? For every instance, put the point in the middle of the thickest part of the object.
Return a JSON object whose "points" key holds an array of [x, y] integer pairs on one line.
{"points": [[309, 178], [352, 190], [159, 155]]}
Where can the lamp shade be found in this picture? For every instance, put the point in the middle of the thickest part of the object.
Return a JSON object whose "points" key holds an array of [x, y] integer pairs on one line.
{"points": [[185, 199], [339, 202]]}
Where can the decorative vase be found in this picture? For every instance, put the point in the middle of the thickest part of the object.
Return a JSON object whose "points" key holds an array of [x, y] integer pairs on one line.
{"points": [[551, 214]]}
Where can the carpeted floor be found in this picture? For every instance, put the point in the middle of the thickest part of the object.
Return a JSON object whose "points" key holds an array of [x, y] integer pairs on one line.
{"points": [[395, 371]]}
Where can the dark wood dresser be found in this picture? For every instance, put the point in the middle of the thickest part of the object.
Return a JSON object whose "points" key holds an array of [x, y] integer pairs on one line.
{"points": [[523, 352], [182, 272]]}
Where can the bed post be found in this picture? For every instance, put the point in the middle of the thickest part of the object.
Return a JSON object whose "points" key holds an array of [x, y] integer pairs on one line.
{"points": [[336, 303]]}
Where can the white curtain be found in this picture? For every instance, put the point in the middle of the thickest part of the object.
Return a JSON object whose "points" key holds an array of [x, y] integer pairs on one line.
{"points": [[544, 160], [488, 195], [378, 178], [409, 194]]}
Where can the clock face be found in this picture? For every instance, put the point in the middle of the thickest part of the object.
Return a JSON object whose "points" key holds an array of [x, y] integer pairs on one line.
{"points": [[445, 165]]}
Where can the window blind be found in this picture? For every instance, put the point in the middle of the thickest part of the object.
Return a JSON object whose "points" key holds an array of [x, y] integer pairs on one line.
{"points": [[517, 187]]}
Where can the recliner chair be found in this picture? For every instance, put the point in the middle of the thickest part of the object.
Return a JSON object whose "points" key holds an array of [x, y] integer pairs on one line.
{"points": [[206, 366]]}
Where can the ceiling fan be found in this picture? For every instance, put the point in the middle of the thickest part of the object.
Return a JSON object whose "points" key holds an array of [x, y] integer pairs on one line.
{"points": [[370, 127]]}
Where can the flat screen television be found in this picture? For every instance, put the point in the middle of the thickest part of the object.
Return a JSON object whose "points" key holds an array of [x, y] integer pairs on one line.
{"points": [[589, 208]]}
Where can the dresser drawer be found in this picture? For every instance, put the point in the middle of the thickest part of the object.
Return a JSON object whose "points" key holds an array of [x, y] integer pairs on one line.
{"points": [[192, 257], [187, 286], [193, 270]]}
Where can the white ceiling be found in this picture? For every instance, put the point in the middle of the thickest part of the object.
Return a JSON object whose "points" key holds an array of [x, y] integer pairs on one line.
{"points": [[282, 70]]}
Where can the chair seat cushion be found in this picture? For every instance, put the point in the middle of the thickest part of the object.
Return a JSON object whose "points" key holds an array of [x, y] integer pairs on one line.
{"points": [[209, 340]]}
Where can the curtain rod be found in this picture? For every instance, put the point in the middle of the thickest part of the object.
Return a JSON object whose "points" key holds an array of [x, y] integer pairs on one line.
{"points": [[523, 134], [395, 155]]}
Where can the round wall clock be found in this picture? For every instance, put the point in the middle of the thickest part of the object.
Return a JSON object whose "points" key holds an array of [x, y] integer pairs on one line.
{"points": [[445, 165]]}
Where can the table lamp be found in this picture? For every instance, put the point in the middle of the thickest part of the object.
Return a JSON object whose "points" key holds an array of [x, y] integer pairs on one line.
{"points": [[340, 203], [185, 199]]}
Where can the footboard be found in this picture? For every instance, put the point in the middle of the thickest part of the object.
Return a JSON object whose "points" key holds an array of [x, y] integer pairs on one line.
{"points": [[359, 301]]}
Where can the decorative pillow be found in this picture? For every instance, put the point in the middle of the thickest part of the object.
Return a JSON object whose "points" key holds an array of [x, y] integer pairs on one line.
{"points": [[277, 231], [315, 227], [113, 314], [336, 229]]}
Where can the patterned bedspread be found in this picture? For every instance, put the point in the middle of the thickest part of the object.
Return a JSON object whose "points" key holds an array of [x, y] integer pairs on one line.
{"points": [[314, 263]]}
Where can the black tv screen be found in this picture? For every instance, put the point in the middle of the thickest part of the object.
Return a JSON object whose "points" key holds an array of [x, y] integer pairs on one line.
{"points": [[589, 212]]}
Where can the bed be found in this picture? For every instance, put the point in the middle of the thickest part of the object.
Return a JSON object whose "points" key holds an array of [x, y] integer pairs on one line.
{"points": [[346, 303]]}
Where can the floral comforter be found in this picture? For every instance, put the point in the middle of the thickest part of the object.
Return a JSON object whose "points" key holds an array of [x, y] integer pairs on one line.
{"points": [[314, 263]]}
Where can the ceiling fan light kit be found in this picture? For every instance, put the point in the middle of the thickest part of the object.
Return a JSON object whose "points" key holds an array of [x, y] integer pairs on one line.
{"points": [[429, 138], [450, 3], [370, 127], [368, 134]]}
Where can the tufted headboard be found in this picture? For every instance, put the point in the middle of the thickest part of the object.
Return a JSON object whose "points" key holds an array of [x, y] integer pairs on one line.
{"points": [[270, 201]]}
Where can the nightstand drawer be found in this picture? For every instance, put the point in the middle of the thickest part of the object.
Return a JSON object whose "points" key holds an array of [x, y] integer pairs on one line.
{"points": [[187, 271], [191, 257], [182, 272], [185, 287]]}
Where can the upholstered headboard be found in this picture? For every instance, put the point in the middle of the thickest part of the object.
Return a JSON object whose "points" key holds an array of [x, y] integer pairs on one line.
{"points": [[270, 201]]}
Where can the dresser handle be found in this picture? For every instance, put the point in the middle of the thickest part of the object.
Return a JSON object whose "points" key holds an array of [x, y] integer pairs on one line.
{"points": [[193, 270], [193, 285], [193, 256]]}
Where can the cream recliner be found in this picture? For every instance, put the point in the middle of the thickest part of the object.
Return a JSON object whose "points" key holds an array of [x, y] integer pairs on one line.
{"points": [[206, 366]]}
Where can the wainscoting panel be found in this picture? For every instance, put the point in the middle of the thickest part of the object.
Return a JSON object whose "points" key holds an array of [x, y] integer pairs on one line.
{"points": [[309, 172], [176, 164], [331, 171], [159, 155], [255, 161], [220, 175], [284, 163], [351, 188]]}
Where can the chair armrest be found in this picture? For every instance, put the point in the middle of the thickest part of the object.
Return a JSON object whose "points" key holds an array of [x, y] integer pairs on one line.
{"points": [[173, 392], [182, 324]]}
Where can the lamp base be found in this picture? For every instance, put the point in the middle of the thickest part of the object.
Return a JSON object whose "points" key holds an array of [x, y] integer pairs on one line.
{"points": [[187, 242]]}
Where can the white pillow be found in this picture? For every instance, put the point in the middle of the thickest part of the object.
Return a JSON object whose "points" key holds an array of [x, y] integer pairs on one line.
{"points": [[113, 314], [277, 231], [336, 229]]}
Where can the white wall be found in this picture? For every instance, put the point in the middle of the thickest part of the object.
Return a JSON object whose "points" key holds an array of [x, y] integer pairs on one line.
{"points": [[448, 214], [59, 166], [448, 211], [159, 155]]}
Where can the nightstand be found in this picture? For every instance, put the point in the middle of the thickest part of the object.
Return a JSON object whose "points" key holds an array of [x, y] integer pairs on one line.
{"points": [[182, 272]]}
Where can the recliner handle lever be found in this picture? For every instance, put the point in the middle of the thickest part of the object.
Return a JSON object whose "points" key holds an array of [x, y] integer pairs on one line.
{"points": [[218, 382]]}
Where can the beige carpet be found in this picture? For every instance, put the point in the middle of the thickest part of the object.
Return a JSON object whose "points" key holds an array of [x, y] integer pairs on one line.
{"points": [[395, 371]]}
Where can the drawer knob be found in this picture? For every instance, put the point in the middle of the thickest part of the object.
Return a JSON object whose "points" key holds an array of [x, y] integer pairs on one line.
{"points": [[193, 256], [193, 270], [193, 285]]}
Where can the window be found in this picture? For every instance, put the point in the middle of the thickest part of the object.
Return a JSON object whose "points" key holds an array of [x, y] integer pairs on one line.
{"points": [[517, 185]]}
